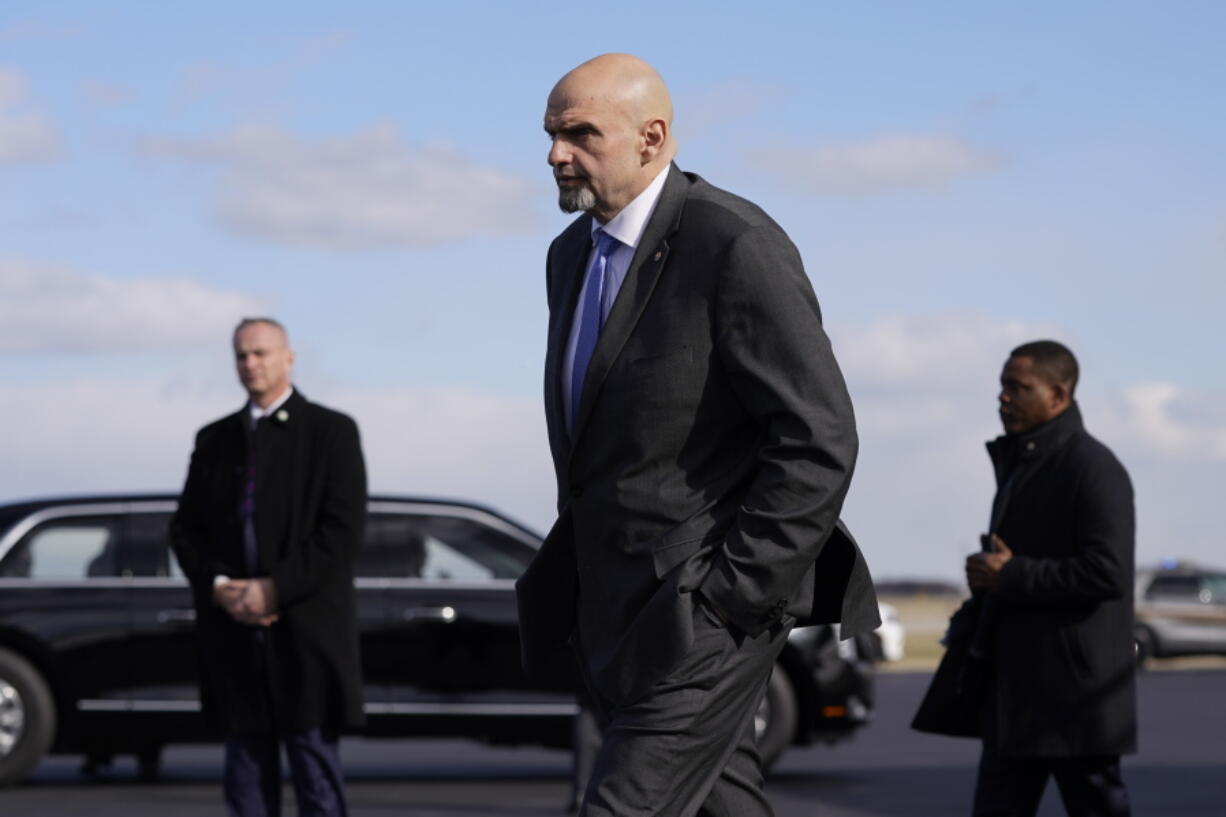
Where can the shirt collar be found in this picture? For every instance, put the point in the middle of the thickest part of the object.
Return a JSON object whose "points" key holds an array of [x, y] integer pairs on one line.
{"points": [[256, 412], [628, 225]]}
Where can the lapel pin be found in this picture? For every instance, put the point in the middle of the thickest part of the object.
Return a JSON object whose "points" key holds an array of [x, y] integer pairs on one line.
{"points": [[658, 254], [282, 416]]}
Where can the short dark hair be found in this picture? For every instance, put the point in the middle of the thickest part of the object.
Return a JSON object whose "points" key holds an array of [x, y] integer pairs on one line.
{"points": [[273, 322], [1052, 360]]}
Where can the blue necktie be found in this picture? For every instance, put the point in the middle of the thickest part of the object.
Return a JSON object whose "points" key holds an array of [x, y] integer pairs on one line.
{"points": [[591, 319]]}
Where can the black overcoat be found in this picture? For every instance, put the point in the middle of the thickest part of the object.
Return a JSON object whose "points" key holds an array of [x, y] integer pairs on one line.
{"points": [[1063, 647], [310, 508]]}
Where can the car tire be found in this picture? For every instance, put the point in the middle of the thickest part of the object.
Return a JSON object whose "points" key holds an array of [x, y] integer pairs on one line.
{"points": [[27, 718], [1146, 644], [775, 720]]}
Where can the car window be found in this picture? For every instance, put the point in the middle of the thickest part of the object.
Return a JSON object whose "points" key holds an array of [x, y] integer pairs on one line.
{"points": [[147, 553], [446, 564], [1174, 587], [439, 548], [66, 549], [1216, 585]]}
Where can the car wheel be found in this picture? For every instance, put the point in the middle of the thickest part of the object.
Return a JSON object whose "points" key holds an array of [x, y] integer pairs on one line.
{"points": [[775, 721], [27, 718], [1145, 643]]}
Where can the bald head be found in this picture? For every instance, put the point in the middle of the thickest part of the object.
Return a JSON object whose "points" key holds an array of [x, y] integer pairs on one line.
{"points": [[619, 81], [610, 122]]}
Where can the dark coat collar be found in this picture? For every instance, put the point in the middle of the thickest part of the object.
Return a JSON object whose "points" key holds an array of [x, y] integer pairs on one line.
{"points": [[1009, 449]]}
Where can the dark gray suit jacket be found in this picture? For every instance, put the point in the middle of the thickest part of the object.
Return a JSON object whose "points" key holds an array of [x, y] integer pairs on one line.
{"points": [[711, 451]]}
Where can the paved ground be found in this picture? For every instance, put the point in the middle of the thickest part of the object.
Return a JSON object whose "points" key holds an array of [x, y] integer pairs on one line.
{"points": [[888, 770]]}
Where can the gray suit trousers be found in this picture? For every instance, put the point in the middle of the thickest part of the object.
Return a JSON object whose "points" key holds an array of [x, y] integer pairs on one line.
{"points": [[687, 747]]}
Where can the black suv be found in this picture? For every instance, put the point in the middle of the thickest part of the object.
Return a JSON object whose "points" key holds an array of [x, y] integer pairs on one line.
{"points": [[97, 651]]}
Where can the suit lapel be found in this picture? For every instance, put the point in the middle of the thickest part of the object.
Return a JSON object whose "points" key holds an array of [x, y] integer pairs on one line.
{"points": [[568, 267], [640, 282]]}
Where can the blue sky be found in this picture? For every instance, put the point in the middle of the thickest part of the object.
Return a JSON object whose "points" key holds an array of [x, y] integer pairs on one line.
{"points": [[958, 177]]}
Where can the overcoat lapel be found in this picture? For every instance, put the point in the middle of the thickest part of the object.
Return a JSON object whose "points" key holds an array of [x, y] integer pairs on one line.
{"points": [[640, 282], [231, 462], [276, 472]]}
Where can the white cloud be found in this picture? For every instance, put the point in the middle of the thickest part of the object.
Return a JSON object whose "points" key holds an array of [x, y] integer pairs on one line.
{"points": [[932, 349], [25, 136], [369, 189], [1170, 421], [456, 442], [54, 309], [879, 164]]}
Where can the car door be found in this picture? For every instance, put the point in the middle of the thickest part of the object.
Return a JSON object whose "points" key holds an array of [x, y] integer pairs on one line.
{"points": [[61, 586], [1215, 616], [1180, 608], [163, 648], [449, 650], [1208, 615]]}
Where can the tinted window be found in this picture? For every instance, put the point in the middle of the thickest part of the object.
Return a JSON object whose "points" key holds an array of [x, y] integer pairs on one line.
{"points": [[64, 549], [439, 548], [1216, 585], [148, 546], [1174, 587]]}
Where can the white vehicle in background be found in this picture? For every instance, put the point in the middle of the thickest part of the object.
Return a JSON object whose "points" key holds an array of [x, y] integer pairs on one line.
{"points": [[1181, 610], [890, 638]]}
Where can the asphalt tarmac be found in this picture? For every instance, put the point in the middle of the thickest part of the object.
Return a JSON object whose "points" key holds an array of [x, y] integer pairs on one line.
{"points": [[886, 770]]}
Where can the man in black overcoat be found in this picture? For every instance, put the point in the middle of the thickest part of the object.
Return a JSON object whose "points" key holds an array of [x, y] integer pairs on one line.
{"points": [[1057, 571], [703, 441], [269, 522]]}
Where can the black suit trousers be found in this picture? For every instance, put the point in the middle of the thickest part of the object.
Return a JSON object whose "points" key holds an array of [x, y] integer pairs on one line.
{"points": [[687, 747], [1012, 785]]}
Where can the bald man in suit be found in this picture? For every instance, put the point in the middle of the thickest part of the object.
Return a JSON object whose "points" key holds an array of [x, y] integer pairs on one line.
{"points": [[703, 441]]}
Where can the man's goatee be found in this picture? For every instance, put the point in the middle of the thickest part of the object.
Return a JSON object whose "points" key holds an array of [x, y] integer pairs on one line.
{"points": [[573, 200]]}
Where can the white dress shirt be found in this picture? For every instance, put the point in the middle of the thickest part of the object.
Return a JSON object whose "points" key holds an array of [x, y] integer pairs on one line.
{"points": [[627, 227], [257, 412]]}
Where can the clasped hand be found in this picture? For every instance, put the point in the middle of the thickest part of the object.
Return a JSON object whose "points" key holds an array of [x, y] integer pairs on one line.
{"points": [[983, 569], [248, 601]]}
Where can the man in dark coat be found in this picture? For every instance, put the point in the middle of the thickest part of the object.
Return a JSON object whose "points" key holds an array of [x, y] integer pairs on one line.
{"points": [[1058, 573], [703, 441], [268, 525]]}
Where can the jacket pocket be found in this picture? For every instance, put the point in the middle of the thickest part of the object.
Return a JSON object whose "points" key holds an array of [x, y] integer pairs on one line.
{"points": [[666, 554]]}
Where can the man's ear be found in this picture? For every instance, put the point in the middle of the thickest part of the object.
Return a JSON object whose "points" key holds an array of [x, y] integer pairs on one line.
{"points": [[1060, 395], [654, 135]]}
